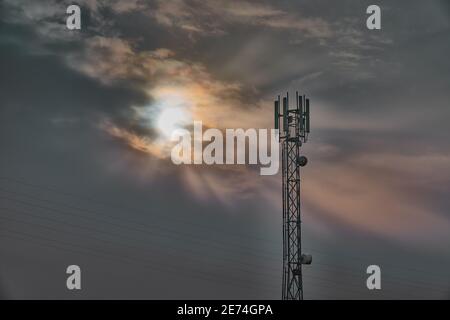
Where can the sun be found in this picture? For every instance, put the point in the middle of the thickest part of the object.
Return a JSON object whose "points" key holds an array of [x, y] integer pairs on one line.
{"points": [[174, 111], [171, 118], [171, 108]]}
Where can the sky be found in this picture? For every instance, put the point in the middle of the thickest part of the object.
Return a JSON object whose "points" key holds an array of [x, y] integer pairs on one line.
{"points": [[85, 170]]}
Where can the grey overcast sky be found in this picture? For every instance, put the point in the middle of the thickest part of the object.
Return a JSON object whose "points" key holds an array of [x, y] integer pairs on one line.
{"points": [[86, 179]]}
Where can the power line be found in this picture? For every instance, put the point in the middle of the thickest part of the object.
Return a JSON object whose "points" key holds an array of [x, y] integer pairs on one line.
{"points": [[15, 211], [58, 190], [121, 226]]}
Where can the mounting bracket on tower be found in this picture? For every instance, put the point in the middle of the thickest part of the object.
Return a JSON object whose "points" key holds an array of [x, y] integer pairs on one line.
{"points": [[294, 126]]}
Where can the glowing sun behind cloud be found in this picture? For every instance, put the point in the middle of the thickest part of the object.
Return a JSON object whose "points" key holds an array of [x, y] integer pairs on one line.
{"points": [[174, 111], [170, 110], [179, 93]]}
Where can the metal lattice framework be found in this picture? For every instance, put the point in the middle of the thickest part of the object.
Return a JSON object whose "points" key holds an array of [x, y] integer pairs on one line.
{"points": [[295, 129]]}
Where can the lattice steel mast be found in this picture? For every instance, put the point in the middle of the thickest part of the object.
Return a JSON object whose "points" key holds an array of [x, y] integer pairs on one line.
{"points": [[294, 131]]}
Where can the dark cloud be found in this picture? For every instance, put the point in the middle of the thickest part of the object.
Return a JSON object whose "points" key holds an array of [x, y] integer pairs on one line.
{"points": [[375, 189]]}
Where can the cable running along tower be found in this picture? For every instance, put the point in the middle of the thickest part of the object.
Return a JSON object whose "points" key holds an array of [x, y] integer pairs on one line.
{"points": [[294, 129]]}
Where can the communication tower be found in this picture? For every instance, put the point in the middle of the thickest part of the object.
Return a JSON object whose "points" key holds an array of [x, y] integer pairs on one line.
{"points": [[294, 129]]}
